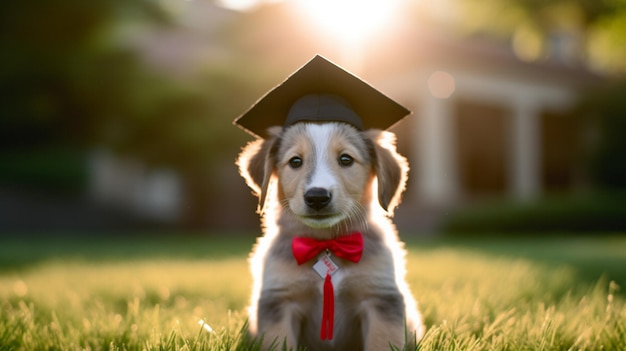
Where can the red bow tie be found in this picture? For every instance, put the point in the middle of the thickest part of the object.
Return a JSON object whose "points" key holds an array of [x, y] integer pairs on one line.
{"points": [[349, 247]]}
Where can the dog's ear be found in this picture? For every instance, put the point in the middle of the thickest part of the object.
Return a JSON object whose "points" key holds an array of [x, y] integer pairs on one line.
{"points": [[256, 164], [391, 168]]}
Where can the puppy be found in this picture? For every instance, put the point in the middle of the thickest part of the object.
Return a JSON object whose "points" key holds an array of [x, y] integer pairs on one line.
{"points": [[324, 181]]}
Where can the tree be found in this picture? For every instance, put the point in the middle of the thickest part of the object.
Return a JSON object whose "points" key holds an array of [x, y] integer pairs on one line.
{"points": [[58, 67], [67, 80], [597, 27]]}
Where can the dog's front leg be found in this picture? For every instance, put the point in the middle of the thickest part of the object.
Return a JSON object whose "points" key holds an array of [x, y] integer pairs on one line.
{"points": [[277, 323], [383, 322]]}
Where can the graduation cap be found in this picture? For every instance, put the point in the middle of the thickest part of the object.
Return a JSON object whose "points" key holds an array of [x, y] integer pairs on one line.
{"points": [[321, 91]]}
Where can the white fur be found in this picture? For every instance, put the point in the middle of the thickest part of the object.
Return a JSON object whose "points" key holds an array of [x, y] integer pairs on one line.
{"points": [[323, 176]]}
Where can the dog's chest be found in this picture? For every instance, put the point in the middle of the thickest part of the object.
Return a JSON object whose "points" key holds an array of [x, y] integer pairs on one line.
{"points": [[351, 281], [339, 271]]}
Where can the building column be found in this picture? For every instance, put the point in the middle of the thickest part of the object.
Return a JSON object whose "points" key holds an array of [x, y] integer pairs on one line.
{"points": [[437, 174], [526, 149]]}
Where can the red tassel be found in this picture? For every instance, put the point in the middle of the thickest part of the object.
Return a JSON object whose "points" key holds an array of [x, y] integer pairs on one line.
{"points": [[328, 314]]}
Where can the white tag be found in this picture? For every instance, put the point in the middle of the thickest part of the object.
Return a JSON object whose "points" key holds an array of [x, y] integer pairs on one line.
{"points": [[325, 265]]}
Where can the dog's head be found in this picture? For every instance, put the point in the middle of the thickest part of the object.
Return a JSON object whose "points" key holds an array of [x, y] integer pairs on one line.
{"points": [[325, 172]]}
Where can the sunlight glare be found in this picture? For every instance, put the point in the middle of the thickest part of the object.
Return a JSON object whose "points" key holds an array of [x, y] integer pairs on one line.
{"points": [[351, 20], [238, 5]]}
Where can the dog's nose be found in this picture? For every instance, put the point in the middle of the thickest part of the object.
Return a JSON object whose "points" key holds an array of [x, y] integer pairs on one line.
{"points": [[317, 198]]}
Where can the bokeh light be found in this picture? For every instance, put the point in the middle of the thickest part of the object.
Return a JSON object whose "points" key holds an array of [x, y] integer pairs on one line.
{"points": [[441, 84]]}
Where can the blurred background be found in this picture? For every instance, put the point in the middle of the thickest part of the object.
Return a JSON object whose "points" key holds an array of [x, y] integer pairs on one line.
{"points": [[116, 115]]}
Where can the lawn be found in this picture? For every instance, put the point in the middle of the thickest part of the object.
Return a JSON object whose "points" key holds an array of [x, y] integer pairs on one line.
{"points": [[190, 293]]}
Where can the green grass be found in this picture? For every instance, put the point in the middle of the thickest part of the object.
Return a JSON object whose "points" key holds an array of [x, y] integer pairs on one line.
{"points": [[146, 293]]}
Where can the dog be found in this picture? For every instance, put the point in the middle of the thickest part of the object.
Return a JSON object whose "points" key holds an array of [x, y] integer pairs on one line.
{"points": [[322, 181]]}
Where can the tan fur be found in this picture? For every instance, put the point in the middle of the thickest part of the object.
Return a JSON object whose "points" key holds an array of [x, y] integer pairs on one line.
{"points": [[373, 303]]}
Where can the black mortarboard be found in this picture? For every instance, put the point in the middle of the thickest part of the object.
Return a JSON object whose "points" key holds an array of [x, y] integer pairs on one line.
{"points": [[321, 91]]}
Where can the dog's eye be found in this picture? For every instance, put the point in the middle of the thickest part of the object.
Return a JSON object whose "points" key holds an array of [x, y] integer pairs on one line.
{"points": [[346, 160], [295, 162]]}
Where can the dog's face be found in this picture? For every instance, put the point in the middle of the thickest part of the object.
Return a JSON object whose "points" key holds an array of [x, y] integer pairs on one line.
{"points": [[325, 172]]}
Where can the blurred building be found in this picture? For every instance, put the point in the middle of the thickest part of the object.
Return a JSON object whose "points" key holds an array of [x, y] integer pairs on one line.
{"points": [[128, 185], [486, 123]]}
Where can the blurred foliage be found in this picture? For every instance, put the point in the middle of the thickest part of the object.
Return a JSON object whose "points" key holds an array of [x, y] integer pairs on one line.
{"points": [[532, 24], [59, 72], [557, 214], [62, 170], [66, 79], [71, 79], [605, 113]]}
